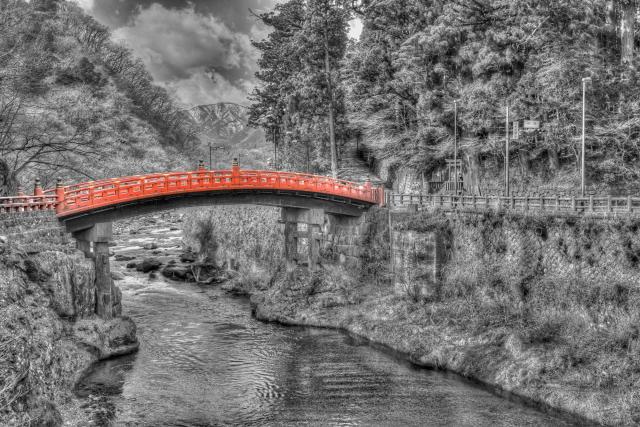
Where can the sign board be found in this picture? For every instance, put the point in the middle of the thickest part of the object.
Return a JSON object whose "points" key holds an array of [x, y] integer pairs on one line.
{"points": [[531, 125], [516, 130]]}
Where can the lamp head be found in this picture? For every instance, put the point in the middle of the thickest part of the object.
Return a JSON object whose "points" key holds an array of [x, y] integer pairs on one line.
{"points": [[586, 80]]}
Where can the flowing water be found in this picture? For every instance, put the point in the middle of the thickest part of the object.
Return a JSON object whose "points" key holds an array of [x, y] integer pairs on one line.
{"points": [[204, 361]]}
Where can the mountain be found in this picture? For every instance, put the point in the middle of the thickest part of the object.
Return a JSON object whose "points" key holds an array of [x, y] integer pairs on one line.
{"points": [[224, 126]]}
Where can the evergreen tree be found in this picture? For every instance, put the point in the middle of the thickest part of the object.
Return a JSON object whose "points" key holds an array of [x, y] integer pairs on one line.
{"points": [[299, 102]]}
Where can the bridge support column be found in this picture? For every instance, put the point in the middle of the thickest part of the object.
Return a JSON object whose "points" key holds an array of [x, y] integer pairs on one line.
{"points": [[100, 235], [314, 219], [291, 244]]}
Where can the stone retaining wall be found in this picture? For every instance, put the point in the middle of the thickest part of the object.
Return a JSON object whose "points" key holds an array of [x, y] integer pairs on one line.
{"points": [[524, 254], [35, 231]]}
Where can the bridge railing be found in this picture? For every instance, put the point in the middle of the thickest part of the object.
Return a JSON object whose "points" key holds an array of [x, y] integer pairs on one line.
{"points": [[584, 205], [27, 203], [90, 195]]}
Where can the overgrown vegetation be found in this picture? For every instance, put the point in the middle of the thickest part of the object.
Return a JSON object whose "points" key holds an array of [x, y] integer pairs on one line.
{"points": [[74, 104], [249, 237], [565, 289], [397, 84]]}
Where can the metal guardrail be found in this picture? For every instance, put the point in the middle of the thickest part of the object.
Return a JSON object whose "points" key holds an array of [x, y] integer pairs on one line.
{"points": [[589, 204]]}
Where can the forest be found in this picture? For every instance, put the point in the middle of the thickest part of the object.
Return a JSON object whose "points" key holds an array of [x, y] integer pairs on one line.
{"points": [[395, 88], [76, 105]]}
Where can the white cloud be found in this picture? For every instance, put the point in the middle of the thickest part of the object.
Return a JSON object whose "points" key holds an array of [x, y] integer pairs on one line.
{"points": [[205, 87], [85, 4], [179, 46], [355, 28]]}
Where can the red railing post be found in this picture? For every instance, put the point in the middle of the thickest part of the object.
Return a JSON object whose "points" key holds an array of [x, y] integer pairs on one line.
{"points": [[37, 189], [59, 197], [235, 172]]}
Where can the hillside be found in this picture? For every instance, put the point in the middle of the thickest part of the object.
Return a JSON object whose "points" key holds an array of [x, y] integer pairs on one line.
{"points": [[75, 105], [224, 125], [396, 87]]}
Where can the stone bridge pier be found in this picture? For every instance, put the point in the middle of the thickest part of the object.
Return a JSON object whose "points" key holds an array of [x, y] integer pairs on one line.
{"points": [[94, 242], [313, 219]]}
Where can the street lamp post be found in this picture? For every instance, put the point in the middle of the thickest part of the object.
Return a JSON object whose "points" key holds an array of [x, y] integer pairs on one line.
{"points": [[585, 80], [455, 144], [507, 190]]}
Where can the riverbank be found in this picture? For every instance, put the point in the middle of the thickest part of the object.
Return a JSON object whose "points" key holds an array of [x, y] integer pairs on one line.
{"points": [[201, 346], [495, 360], [489, 331], [49, 334]]}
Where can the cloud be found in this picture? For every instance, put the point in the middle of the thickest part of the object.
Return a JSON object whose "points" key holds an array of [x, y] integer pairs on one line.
{"points": [[87, 5], [355, 28], [196, 56], [174, 42], [206, 87]]}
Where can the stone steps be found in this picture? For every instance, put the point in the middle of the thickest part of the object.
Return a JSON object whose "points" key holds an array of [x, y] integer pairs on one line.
{"points": [[353, 167]]}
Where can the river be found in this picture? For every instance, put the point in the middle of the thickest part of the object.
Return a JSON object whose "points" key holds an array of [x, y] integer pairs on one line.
{"points": [[204, 361]]}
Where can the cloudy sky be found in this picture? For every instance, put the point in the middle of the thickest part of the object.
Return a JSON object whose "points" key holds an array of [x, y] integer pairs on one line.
{"points": [[200, 49]]}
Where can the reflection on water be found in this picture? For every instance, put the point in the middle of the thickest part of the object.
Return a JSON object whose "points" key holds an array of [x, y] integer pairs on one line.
{"points": [[205, 361]]}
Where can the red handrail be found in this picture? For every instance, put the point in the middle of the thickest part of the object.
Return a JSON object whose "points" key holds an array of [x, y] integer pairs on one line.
{"points": [[86, 196]]}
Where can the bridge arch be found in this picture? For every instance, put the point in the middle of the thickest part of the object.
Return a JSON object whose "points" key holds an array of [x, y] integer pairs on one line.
{"points": [[87, 210]]}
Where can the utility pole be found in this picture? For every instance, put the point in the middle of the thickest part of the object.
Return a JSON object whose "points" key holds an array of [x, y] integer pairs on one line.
{"points": [[455, 144], [275, 149], [585, 80], [507, 190]]}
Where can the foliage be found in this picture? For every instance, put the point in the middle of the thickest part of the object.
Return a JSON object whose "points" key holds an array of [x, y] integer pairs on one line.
{"points": [[71, 99], [398, 83], [247, 234], [299, 95], [416, 57]]}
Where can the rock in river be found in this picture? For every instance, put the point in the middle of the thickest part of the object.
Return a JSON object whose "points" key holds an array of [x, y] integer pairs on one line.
{"points": [[149, 264], [177, 272], [188, 257]]}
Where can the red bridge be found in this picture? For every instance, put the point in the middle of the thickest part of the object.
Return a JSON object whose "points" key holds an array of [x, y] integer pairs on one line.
{"points": [[81, 205]]}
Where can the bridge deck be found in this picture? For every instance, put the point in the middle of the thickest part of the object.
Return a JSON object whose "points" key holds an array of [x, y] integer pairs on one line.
{"points": [[95, 195]]}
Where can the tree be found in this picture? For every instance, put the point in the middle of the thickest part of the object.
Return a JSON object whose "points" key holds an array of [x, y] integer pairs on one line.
{"points": [[627, 29], [299, 69], [324, 40]]}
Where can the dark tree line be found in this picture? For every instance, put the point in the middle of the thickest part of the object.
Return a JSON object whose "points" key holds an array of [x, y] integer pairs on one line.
{"points": [[72, 102], [398, 83]]}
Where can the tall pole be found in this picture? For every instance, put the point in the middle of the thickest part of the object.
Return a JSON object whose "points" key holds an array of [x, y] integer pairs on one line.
{"points": [[275, 149], [585, 80], [455, 144], [210, 156], [507, 190]]}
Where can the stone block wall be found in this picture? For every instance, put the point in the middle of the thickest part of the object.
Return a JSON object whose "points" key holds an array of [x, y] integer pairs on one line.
{"points": [[35, 231], [356, 242], [584, 264]]}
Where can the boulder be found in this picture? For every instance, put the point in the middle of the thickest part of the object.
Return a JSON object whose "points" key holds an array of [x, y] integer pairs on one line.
{"points": [[116, 275], [177, 272], [132, 264], [188, 257], [69, 280], [148, 265], [150, 246], [113, 338], [121, 257]]}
